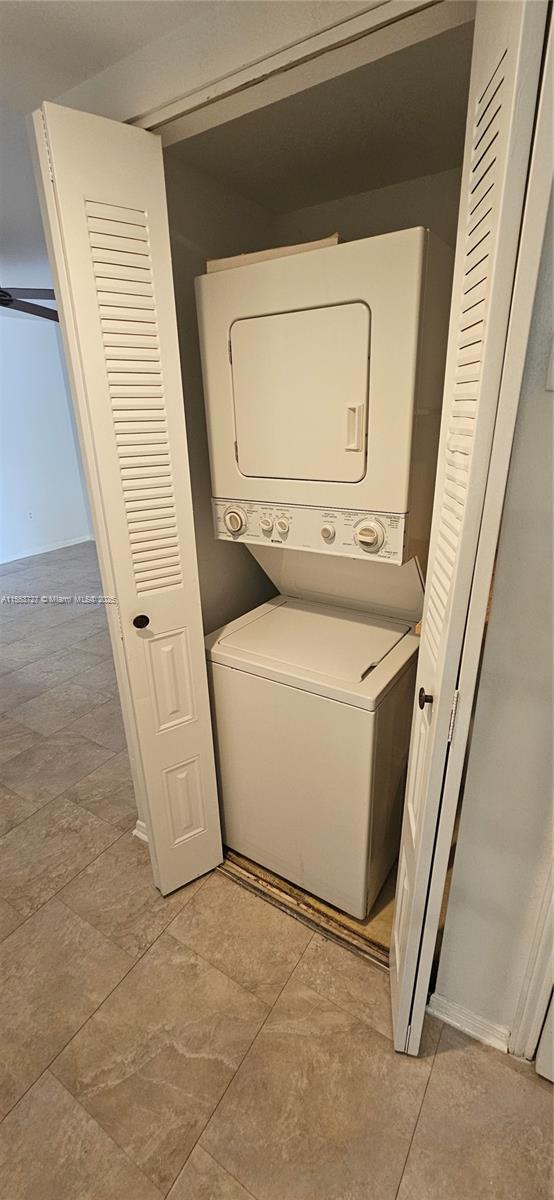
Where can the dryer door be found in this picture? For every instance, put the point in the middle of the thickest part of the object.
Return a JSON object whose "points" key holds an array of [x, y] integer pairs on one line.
{"points": [[300, 388]]}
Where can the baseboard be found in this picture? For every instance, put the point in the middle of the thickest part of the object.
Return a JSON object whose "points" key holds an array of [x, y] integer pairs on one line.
{"points": [[140, 831], [469, 1022], [46, 548]]}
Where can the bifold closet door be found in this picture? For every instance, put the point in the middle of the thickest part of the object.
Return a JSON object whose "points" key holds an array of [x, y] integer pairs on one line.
{"points": [[503, 92], [104, 210]]}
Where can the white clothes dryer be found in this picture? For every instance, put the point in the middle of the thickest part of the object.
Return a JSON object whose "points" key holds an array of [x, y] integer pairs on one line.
{"points": [[323, 385]]}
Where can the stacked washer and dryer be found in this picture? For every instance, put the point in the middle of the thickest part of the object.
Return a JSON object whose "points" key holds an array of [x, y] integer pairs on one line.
{"points": [[323, 377]]}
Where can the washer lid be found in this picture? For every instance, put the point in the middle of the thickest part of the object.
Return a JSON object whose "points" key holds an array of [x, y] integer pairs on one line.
{"points": [[338, 643]]}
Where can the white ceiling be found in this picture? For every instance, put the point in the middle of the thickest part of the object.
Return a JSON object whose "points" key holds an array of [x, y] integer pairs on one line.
{"points": [[48, 46], [398, 118]]}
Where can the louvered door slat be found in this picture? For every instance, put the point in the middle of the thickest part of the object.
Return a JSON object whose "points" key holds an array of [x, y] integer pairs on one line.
{"points": [[128, 245], [116, 212], [505, 70], [117, 270], [136, 426], [114, 288], [476, 268], [119, 257], [145, 329]]}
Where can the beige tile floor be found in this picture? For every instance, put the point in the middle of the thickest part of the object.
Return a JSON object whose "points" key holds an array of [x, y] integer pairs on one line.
{"points": [[206, 1046]]}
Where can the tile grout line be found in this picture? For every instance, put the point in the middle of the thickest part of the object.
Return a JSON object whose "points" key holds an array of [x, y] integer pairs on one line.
{"points": [[353, 1016], [76, 1101], [118, 835], [340, 1007], [40, 633], [45, 736], [68, 727], [106, 700], [133, 963], [420, 1109], [126, 833], [216, 1160], [226, 973], [242, 1061], [70, 1039], [44, 691], [55, 895]]}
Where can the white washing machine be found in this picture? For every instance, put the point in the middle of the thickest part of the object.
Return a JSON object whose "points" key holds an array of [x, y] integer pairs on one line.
{"points": [[313, 707], [323, 384]]}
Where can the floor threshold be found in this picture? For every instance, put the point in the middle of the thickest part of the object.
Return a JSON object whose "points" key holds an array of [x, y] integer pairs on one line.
{"points": [[369, 939]]}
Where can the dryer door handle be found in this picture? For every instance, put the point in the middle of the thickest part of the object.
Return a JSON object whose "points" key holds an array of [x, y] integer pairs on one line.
{"points": [[355, 427]]}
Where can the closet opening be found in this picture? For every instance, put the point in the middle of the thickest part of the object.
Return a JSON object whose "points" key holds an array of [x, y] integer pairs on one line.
{"points": [[373, 151]]}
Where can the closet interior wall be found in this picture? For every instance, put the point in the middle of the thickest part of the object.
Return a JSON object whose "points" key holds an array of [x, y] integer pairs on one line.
{"points": [[208, 221]]}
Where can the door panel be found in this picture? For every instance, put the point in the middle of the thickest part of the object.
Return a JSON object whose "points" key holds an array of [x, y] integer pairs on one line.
{"points": [[103, 199], [504, 81], [300, 393]]}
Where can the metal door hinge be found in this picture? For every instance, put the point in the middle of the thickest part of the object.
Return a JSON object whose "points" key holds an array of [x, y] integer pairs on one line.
{"points": [[119, 625], [47, 145], [453, 712]]}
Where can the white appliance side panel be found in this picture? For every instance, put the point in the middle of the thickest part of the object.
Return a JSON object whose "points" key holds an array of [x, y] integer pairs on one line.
{"points": [[295, 779], [393, 719], [300, 389], [383, 588]]}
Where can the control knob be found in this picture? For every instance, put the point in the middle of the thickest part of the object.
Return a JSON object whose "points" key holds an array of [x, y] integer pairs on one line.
{"points": [[328, 533], [283, 526], [370, 536], [266, 525], [235, 520]]}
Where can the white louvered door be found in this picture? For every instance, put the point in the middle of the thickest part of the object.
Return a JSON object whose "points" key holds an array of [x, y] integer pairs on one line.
{"points": [[504, 80], [103, 202]]}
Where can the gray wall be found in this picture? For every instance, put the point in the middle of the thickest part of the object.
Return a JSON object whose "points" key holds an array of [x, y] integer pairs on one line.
{"points": [[505, 841], [431, 200], [207, 222]]}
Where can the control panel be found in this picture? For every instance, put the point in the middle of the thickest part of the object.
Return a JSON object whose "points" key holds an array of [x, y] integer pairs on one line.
{"points": [[348, 532]]}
